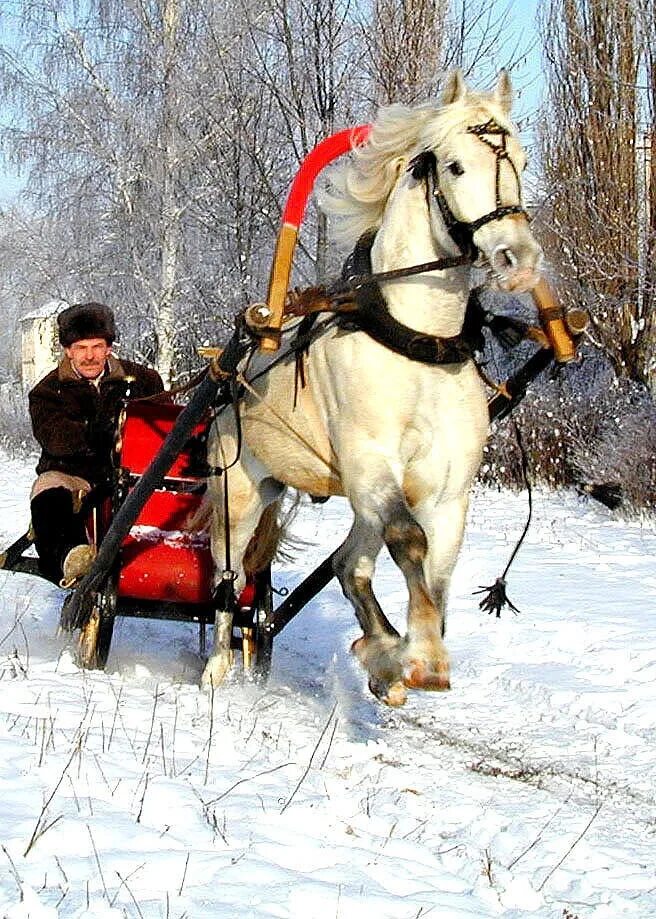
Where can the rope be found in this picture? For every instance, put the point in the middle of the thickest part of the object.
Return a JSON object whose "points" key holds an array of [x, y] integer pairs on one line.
{"points": [[529, 491], [496, 596]]}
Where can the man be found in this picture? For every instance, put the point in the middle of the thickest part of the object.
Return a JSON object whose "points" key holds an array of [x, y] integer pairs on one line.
{"points": [[74, 410]]}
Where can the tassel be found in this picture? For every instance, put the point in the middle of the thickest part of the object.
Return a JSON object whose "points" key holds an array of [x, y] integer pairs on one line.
{"points": [[75, 616], [496, 598]]}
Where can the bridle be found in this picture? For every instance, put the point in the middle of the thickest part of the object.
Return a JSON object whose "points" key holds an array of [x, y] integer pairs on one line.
{"points": [[423, 167]]}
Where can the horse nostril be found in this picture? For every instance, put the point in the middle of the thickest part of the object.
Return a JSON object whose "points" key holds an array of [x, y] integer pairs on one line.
{"points": [[504, 258]]}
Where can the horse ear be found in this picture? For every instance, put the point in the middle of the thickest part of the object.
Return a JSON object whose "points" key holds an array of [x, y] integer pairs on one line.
{"points": [[503, 92], [455, 88]]}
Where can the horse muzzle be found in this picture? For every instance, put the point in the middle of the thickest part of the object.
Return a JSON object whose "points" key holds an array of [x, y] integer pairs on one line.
{"points": [[513, 256]]}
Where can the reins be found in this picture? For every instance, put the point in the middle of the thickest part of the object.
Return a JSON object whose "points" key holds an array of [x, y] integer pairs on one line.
{"points": [[354, 282], [283, 421]]}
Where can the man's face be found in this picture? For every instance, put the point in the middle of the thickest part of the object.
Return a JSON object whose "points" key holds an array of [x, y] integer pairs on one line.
{"points": [[88, 356]]}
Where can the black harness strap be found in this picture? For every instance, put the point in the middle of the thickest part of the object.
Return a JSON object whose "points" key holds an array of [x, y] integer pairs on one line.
{"points": [[301, 346], [373, 317]]}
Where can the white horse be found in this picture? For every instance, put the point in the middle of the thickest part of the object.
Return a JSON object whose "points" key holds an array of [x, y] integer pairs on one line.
{"points": [[402, 439]]}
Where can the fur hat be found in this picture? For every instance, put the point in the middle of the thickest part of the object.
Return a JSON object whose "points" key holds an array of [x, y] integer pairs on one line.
{"points": [[86, 320]]}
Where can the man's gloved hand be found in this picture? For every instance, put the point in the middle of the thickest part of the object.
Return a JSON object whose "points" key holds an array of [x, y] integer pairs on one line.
{"points": [[100, 434]]}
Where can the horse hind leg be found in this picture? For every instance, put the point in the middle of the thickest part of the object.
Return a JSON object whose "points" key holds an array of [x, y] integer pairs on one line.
{"points": [[249, 514], [423, 658], [377, 649]]}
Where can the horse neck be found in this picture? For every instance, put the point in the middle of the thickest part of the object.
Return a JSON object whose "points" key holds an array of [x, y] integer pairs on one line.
{"points": [[434, 302]]}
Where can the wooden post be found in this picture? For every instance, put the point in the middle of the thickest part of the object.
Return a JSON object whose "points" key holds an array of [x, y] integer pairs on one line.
{"points": [[281, 270], [553, 322]]}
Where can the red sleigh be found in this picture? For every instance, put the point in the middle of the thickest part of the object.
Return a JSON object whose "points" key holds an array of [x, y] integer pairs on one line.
{"points": [[164, 569]]}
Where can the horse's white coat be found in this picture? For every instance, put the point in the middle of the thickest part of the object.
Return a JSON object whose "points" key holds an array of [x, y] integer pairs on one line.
{"points": [[402, 440]]}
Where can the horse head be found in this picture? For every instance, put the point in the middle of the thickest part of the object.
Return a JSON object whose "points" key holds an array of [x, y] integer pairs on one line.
{"points": [[471, 160], [463, 159]]}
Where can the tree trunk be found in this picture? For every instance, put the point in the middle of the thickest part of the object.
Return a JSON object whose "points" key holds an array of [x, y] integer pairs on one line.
{"points": [[171, 228]]}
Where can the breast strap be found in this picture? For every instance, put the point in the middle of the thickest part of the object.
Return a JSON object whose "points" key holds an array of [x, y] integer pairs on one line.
{"points": [[372, 316]]}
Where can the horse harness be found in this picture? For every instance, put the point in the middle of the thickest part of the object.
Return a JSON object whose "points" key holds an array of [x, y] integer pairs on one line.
{"points": [[358, 304]]}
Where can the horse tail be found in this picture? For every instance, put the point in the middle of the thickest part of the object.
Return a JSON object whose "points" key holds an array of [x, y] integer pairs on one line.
{"points": [[200, 519], [271, 539], [266, 539]]}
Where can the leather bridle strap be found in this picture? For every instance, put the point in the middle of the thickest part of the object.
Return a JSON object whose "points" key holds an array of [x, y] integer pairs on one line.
{"points": [[357, 270], [483, 132], [424, 167], [356, 281]]}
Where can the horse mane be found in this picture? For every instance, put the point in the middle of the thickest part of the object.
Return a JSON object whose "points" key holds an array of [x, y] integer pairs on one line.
{"points": [[355, 190]]}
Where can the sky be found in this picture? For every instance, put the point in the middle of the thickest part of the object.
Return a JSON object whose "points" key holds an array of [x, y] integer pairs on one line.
{"points": [[526, 79]]}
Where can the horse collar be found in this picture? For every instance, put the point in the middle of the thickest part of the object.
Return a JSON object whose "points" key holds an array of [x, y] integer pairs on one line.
{"points": [[373, 317]]}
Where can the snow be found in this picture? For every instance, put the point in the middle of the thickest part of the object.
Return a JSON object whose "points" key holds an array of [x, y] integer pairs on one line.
{"points": [[528, 790]]}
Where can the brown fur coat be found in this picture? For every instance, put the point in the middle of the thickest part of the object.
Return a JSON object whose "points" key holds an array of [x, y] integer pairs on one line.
{"points": [[73, 419]]}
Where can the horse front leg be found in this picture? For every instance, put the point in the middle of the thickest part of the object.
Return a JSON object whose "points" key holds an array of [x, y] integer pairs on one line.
{"points": [[423, 657], [378, 648], [442, 526]]}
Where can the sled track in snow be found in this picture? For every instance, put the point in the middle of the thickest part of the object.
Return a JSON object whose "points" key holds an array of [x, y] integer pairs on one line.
{"points": [[491, 758]]}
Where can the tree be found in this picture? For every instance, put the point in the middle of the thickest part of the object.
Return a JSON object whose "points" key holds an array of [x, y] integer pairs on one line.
{"points": [[405, 46], [306, 64], [599, 232], [411, 44], [110, 132]]}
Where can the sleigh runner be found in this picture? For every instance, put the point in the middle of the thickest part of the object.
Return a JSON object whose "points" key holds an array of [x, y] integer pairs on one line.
{"points": [[260, 405]]}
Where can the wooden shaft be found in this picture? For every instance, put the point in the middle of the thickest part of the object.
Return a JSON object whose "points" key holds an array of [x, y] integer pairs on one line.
{"points": [[281, 270], [551, 318]]}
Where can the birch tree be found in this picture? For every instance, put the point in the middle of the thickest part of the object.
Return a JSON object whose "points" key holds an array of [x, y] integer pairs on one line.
{"points": [[304, 66], [107, 127], [405, 49]]}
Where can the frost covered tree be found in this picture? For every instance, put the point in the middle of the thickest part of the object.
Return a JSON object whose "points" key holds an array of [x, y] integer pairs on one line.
{"points": [[107, 125], [404, 45], [600, 216], [305, 67], [410, 44]]}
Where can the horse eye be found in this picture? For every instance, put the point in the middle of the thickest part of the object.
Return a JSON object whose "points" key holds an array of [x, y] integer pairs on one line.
{"points": [[455, 168]]}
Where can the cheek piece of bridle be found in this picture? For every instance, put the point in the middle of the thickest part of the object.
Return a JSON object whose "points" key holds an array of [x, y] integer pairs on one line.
{"points": [[423, 167]]}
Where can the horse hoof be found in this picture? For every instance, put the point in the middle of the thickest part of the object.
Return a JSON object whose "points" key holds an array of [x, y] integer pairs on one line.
{"points": [[215, 672], [420, 675], [392, 694]]}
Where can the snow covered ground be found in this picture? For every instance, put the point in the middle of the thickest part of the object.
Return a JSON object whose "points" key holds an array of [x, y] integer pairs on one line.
{"points": [[529, 789]]}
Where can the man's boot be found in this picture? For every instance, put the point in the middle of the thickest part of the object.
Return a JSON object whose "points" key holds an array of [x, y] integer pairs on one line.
{"points": [[76, 564], [57, 529]]}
